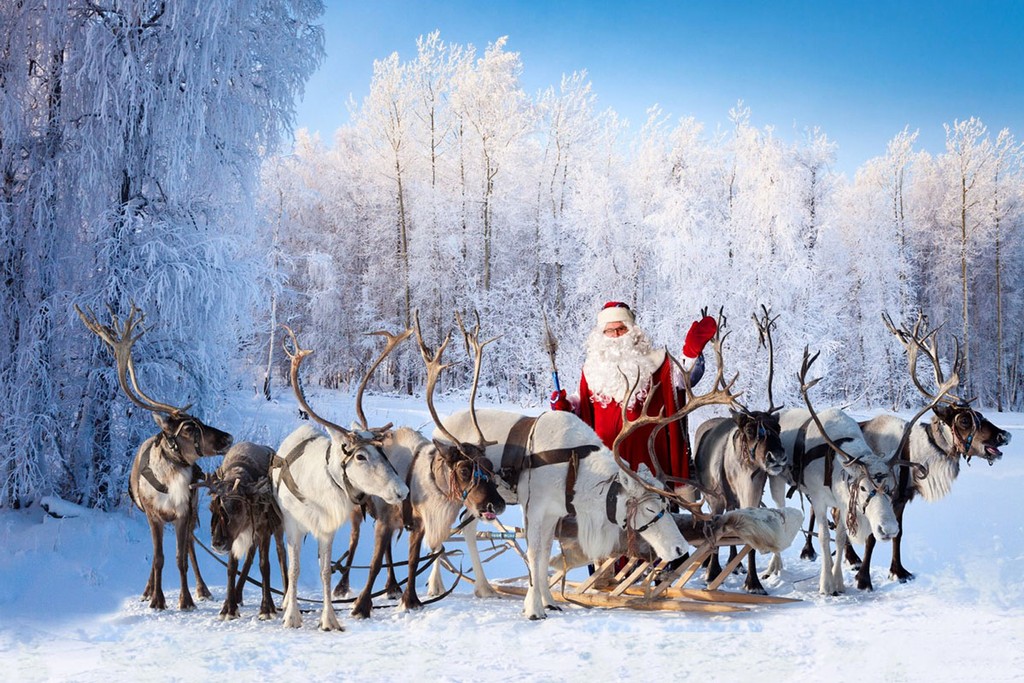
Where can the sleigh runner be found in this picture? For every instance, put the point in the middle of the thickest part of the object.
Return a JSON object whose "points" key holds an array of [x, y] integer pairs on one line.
{"points": [[645, 583]]}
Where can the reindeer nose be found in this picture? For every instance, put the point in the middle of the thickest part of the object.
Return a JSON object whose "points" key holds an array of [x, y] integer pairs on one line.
{"points": [[1004, 438]]}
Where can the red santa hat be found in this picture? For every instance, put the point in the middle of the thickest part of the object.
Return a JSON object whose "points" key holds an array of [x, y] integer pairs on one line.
{"points": [[615, 311]]}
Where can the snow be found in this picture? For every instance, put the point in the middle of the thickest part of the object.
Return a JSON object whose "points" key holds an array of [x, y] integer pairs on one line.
{"points": [[70, 608]]}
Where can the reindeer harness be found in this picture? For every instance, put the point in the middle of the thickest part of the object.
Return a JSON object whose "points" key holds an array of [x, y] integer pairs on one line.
{"points": [[345, 486], [481, 474], [518, 455], [803, 457], [172, 453]]}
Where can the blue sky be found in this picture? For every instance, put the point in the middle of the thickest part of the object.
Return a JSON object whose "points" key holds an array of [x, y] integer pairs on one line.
{"points": [[860, 71]]}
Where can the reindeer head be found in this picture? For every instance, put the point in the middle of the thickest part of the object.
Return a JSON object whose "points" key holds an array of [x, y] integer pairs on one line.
{"points": [[355, 460], [471, 479], [644, 512], [758, 435], [971, 433], [188, 437]]}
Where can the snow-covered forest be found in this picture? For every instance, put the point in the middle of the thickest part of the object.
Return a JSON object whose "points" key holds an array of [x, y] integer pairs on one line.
{"points": [[453, 188], [141, 160]]}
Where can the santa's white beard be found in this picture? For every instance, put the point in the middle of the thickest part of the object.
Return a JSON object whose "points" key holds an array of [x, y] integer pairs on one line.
{"points": [[612, 362]]}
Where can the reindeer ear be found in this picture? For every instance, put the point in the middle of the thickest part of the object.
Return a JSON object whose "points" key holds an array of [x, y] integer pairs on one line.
{"points": [[163, 422], [644, 472], [446, 450], [942, 412]]}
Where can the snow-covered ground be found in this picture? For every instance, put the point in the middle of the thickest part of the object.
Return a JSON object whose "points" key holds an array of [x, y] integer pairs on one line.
{"points": [[69, 607]]}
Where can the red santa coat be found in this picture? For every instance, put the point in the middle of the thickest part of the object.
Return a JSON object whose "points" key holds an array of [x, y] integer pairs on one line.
{"points": [[670, 445]]}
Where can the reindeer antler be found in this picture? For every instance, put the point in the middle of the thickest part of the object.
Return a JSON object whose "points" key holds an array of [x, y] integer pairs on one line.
{"points": [[914, 340], [475, 349], [393, 340], [434, 368], [720, 393], [120, 338], [297, 354], [765, 324]]}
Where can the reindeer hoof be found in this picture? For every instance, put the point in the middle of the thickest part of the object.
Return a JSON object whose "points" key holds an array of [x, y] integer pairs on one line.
{"points": [[203, 593], [810, 556], [228, 616], [538, 617], [553, 608], [267, 616], [156, 603]]}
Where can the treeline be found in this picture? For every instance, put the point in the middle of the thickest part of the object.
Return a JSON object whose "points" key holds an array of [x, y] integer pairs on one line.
{"points": [[453, 189]]}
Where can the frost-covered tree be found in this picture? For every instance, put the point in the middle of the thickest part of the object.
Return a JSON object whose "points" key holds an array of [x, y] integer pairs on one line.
{"points": [[131, 150]]}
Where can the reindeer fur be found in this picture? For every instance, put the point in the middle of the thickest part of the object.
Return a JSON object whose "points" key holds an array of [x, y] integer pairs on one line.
{"points": [[873, 513], [243, 518], [738, 477], [331, 484], [541, 492], [433, 507], [171, 456], [930, 445]]}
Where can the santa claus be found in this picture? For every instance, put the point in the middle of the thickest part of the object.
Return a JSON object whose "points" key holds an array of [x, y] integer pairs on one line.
{"points": [[617, 349]]}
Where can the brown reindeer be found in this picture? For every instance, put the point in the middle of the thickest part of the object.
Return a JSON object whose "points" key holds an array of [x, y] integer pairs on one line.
{"points": [[164, 471], [443, 478], [243, 518]]}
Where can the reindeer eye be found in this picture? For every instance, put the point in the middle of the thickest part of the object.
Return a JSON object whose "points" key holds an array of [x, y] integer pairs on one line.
{"points": [[360, 456]]}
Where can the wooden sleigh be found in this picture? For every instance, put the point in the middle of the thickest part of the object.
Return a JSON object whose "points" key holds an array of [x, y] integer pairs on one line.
{"points": [[647, 584]]}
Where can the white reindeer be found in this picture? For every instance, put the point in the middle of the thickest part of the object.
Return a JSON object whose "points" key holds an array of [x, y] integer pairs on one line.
{"points": [[833, 466], [318, 481], [957, 431], [557, 440], [556, 465]]}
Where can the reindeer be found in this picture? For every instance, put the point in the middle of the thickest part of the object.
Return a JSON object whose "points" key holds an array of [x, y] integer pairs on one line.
{"points": [[164, 469], [243, 518], [835, 468], [734, 457], [443, 477], [318, 481], [555, 465], [959, 431]]}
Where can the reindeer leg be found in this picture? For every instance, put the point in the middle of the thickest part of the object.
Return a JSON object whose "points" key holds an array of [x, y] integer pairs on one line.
{"points": [[896, 569], [382, 539], [713, 565], [435, 584], [753, 582], [230, 608], [328, 618], [539, 536], [243, 576], [183, 532], [343, 588], [837, 567], [202, 590], [864, 570], [852, 558], [392, 588], [267, 609], [409, 599], [292, 615], [807, 553], [481, 586], [281, 557], [825, 582], [154, 589]]}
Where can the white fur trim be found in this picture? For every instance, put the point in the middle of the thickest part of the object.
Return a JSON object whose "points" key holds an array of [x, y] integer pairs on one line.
{"points": [[614, 314]]}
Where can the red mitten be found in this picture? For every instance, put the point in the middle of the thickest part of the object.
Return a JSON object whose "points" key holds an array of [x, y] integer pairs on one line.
{"points": [[699, 335], [560, 402]]}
